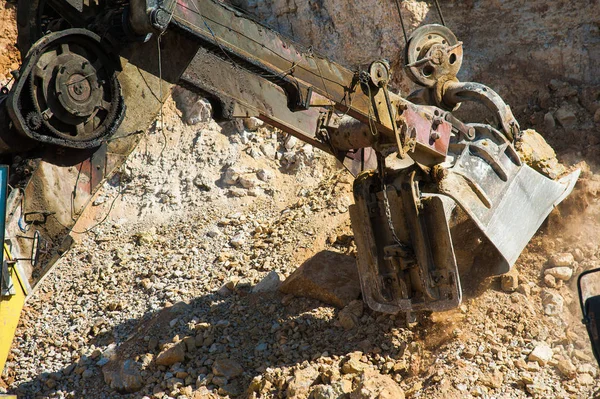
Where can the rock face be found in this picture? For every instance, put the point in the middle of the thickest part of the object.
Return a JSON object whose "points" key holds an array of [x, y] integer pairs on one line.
{"points": [[337, 28], [328, 276]]}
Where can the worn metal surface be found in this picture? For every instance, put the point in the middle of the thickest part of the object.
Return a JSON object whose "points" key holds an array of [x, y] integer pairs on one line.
{"points": [[248, 95], [456, 92], [66, 99], [432, 55], [232, 36], [506, 199], [64, 192], [420, 272]]}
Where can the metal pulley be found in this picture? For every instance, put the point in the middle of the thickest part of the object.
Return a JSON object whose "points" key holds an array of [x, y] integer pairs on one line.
{"points": [[68, 94], [432, 55], [379, 72]]}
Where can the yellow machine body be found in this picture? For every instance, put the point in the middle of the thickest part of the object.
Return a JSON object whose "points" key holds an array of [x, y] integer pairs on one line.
{"points": [[11, 307]]}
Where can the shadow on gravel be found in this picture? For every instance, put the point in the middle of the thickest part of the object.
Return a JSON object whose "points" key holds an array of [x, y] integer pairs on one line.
{"points": [[256, 330]]}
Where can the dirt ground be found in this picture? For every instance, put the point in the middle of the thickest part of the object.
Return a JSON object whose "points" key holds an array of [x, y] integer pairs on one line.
{"points": [[9, 55], [197, 226]]}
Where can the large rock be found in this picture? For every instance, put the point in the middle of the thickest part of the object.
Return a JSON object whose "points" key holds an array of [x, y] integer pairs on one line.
{"points": [[535, 152], [271, 282], [353, 364], [566, 116], [227, 368], [567, 368], [333, 391], [171, 354], [123, 376], [560, 273], [542, 353], [509, 281], [349, 316], [204, 393], [373, 385], [194, 108], [564, 259], [552, 302], [299, 385], [328, 276]]}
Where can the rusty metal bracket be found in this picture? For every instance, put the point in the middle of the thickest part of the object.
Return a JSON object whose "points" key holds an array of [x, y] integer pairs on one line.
{"points": [[457, 92]]}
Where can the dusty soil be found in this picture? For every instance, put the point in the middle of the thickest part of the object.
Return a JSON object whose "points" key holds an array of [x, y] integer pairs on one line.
{"points": [[9, 55], [196, 226]]}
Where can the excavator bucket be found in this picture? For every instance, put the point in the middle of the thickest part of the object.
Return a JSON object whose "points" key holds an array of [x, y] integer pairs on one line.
{"points": [[510, 218], [414, 234]]}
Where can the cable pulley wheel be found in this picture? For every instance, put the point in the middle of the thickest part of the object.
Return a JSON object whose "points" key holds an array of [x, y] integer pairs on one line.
{"points": [[75, 90], [432, 54]]}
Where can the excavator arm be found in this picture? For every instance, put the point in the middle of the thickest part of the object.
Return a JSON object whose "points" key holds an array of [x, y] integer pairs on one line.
{"points": [[96, 74]]}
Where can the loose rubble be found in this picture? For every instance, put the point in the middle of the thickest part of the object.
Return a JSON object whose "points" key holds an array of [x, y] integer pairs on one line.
{"points": [[260, 299], [180, 294]]}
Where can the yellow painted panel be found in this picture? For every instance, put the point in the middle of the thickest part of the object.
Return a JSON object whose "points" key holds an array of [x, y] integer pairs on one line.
{"points": [[10, 312]]}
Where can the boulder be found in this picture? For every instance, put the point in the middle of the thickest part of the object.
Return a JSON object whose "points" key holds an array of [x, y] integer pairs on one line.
{"points": [[330, 277], [252, 123], [353, 365], [123, 376], [566, 367], [373, 385], [562, 259], [171, 354], [227, 368], [349, 316], [552, 302], [194, 108], [270, 283], [509, 281], [301, 382], [563, 273], [535, 152], [566, 116], [542, 353]]}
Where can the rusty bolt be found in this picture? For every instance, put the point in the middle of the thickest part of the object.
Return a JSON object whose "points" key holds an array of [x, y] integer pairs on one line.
{"points": [[434, 136]]}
